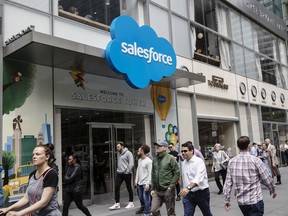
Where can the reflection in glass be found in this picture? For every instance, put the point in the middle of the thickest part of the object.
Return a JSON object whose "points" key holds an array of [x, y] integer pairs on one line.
{"points": [[273, 114], [247, 33], [205, 13], [251, 64], [239, 63], [75, 139], [236, 27]]}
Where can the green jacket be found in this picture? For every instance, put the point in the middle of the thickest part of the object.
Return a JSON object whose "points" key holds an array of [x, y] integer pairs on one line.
{"points": [[165, 172]]}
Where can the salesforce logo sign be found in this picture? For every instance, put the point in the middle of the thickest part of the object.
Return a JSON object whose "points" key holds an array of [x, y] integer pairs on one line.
{"points": [[138, 53]]}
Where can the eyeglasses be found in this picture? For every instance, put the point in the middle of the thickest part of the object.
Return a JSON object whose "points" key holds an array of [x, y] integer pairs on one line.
{"points": [[184, 151], [170, 147]]}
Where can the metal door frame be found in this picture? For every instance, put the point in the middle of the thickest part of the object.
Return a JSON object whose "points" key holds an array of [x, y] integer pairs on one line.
{"points": [[112, 127]]}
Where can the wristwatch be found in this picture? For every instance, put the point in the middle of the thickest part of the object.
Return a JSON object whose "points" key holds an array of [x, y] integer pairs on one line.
{"points": [[189, 187]]}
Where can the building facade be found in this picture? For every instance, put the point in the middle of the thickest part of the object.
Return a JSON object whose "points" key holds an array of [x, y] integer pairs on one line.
{"points": [[231, 80], [275, 6]]}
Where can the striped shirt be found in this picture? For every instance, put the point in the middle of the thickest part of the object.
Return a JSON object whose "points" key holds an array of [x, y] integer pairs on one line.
{"points": [[246, 173]]}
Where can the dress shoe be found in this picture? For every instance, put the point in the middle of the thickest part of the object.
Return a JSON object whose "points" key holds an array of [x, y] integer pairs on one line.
{"points": [[277, 183], [178, 198], [220, 192]]}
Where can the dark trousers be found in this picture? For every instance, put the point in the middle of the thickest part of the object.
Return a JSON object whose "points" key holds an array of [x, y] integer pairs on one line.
{"points": [[77, 197], [120, 177], [160, 197], [253, 210], [199, 198], [223, 174], [177, 186]]}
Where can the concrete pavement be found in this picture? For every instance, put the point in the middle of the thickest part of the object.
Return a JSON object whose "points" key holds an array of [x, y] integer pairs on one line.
{"points": [[273, 207]]}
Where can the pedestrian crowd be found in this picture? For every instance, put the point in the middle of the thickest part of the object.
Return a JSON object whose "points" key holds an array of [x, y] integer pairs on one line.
{"points": [[168, 177], [172, 176]]}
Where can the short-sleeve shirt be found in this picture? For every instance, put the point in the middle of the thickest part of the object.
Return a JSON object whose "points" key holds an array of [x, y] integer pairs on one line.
{"points": [[48, 179]]}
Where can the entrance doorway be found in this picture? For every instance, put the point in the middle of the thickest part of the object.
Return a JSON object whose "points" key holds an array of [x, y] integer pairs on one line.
{"points": [[103, 138], [212, 132], [91, 135]]}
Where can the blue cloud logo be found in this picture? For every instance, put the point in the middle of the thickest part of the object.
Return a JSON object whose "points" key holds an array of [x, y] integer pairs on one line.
{"points": [[138, 53]]}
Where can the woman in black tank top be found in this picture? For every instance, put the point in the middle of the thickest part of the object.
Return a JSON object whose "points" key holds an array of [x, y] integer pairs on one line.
{"points": [[41, 194]]}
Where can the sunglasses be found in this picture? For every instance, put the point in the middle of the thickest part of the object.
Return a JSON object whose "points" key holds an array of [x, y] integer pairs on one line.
{"points": [[184, 151], [170, 147]]}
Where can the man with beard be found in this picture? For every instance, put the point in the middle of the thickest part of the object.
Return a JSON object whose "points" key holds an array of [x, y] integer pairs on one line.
{"points": [[125, 163], [143, 180]]}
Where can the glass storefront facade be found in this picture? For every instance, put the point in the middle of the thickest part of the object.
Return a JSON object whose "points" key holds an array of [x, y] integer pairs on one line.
{"points": [[93, 115], [91, 135], [275, 127], [212, 132]]}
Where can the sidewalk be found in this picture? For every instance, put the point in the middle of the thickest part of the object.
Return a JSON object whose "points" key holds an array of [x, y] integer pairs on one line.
{"points": [[273, 207]]}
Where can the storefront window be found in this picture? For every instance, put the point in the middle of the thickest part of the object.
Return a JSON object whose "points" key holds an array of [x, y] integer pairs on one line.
{"points": [[108, 128], [277, 132], [273, 114], [98, 13], [212, 132]]}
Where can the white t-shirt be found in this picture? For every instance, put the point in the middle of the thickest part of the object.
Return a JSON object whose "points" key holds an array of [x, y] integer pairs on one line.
{"points": [[143, 173]]}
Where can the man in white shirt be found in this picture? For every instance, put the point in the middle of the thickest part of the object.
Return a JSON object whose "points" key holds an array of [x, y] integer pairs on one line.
{"points": [[195, 190], [143, 179]]}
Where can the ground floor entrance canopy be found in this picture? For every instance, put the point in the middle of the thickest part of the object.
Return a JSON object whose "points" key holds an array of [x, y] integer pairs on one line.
{"points": [[51, 51]]}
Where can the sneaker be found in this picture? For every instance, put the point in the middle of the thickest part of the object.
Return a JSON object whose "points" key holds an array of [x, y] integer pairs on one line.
{"points": [[130, 205], [140, 210], [178, 198], [115, 206]]}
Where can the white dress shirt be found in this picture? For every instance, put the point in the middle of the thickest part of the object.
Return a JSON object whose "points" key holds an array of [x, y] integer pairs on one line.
{"points": [[194, 171]]}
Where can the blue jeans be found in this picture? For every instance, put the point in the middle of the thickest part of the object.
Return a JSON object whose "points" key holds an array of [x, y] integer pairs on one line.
{"points": [[144, 197], [199, 198], [256, 209]]}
